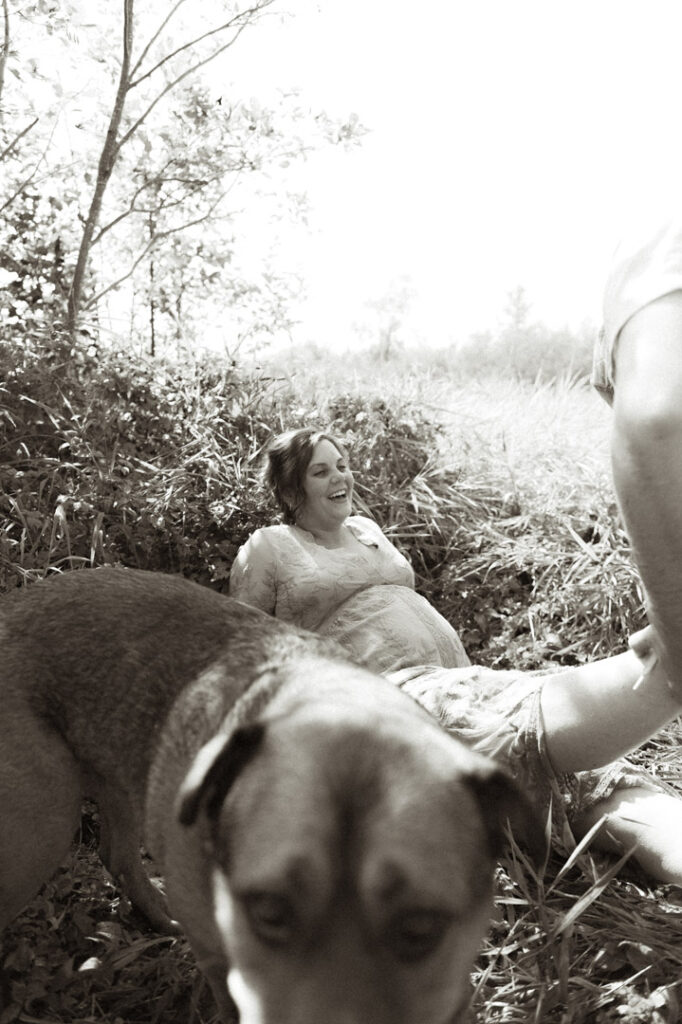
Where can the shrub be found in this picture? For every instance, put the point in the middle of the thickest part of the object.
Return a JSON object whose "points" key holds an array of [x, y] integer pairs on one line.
{"points": [[108, 460]]}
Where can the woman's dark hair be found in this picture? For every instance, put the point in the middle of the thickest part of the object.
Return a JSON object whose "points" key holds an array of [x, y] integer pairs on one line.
{"points": [[287, 458]]}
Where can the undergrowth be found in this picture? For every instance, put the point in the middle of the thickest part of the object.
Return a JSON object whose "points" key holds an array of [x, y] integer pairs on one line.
{"points": [[499, 492]]}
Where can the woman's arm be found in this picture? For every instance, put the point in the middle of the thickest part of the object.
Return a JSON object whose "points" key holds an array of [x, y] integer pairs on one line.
{"points": [[253, 577]]}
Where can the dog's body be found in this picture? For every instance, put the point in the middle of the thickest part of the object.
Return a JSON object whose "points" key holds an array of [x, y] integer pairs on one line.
{"points": [[326, 847]]}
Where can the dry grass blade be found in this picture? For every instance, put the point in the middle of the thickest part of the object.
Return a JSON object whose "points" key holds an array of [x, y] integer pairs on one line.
{"points": [[575, 854], [593, 893]]}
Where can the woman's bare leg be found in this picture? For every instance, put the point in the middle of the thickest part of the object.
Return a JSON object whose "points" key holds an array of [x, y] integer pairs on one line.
{"points": [[593, 715]]}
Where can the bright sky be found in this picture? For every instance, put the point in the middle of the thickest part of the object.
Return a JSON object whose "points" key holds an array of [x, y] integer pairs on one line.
{"points": [[509, 142]]}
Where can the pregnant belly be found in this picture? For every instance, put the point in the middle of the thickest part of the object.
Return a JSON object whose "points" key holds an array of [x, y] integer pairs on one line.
{"points": [[390, 627]]}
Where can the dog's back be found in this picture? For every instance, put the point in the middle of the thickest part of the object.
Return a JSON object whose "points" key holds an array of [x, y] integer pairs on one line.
{"points": [[102, 655], [92, 663]]}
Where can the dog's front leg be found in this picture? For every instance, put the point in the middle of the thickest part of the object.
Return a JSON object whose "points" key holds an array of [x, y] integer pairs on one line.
{"points": [[119, 848]]}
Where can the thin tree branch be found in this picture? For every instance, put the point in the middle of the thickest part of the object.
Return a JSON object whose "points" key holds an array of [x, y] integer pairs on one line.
{"points": [[114, 284], [126, 213], [171, 85], [172, 202], [150, 245], [5, 52], [17, 192], [17, 138], [153, 39], [132, 208], [243, 16], [31, 176]]}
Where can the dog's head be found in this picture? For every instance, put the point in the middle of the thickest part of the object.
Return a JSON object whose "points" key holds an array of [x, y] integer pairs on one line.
{"points": [[353, 847]]}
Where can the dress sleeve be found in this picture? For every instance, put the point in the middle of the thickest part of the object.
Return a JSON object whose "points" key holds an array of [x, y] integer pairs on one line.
{"points": [[253, 577]]}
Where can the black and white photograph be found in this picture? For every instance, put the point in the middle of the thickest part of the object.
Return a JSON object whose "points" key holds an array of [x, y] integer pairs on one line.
{"points": [[340, 512]]}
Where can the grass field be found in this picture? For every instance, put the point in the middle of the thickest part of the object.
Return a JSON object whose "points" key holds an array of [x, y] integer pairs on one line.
{"points": [[513, 514]]}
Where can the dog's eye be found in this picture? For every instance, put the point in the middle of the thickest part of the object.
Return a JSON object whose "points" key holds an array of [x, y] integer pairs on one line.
{"points": [[272, 917], [415, 934]]}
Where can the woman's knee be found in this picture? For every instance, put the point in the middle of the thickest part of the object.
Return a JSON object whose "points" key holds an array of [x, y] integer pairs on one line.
{"points": [[643, 820]]}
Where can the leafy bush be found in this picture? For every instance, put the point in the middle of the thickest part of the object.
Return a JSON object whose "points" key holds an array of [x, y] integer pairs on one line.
{"points": [[109, 460]]}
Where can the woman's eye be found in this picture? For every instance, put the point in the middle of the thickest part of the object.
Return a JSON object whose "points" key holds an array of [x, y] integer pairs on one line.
{"points": [[416, 934], [272, 917]]}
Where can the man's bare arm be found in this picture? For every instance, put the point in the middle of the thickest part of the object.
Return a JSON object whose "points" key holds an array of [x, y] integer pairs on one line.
{"points": [[647, 461]]}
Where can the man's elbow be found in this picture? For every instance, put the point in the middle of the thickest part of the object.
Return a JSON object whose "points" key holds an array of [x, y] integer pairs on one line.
{"points": [[649, 421]]}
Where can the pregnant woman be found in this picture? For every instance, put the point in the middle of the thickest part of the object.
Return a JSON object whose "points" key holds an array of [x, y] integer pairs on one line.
{"points": [[560, 735]]}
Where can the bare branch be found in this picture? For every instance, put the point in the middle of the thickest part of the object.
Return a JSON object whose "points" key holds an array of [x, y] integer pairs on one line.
{"points": [[188, 193], [171, 85], [17, 192], [114, 284], [243, 16], [153, 39], [17, 138], [132, 208], [150, 245], [126, 213], [113, 143]]}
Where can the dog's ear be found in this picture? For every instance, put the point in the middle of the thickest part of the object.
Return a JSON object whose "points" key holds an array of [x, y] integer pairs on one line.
{"points": [[502, 804], [214, 770]]}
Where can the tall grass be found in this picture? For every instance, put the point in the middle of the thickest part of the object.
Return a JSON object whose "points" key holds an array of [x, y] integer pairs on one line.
{"points": [[510, 518]]}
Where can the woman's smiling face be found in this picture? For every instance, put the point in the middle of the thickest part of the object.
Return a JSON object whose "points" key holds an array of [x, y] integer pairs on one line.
{"points": [[328, 488]]}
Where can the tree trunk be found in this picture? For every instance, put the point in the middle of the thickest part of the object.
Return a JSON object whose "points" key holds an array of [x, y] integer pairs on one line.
{"points": [[105, 168], [5, 51], [152, 305]]}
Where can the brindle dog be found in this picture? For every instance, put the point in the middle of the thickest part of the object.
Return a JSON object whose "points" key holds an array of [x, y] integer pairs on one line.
{"points": [[326, 847]]}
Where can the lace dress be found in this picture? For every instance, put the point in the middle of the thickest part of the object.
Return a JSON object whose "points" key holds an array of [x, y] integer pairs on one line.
{"points": [[363, 597]]}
